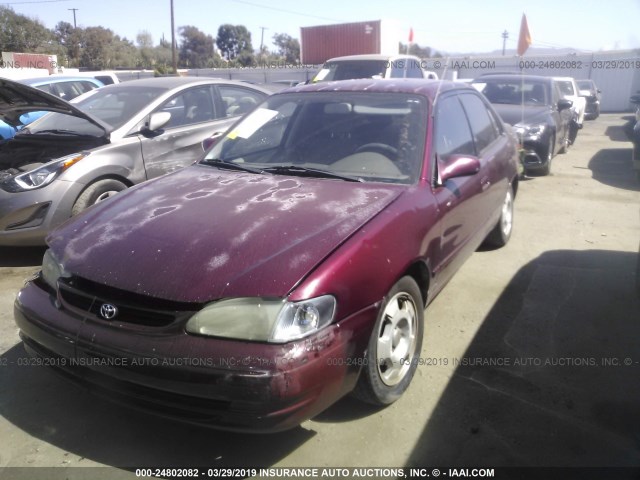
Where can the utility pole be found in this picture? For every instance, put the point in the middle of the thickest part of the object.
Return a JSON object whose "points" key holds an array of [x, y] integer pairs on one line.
{"points": [[173, 43], [262, 39], [74, 15], [505, 35]]}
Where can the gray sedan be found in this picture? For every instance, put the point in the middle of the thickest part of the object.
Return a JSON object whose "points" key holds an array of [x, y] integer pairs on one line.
{"points": [[106, 141]]}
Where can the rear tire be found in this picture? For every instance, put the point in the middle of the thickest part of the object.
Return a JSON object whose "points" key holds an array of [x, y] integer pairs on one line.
{"points": [[96, 193], [394, 347], [501, 233]]}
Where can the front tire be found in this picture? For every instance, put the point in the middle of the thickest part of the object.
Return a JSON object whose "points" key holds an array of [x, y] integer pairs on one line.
{"points": [[394, 346], [549, 155], [96, 193]]}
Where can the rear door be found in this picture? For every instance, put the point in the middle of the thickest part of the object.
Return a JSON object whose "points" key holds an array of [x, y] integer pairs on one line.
{"points": [[460, 200]]}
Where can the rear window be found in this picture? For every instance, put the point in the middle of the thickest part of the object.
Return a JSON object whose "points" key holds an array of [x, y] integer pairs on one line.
{"points": [[347, 70]]}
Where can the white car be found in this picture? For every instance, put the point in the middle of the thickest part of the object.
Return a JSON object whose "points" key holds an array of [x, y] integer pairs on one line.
{"points": [[569, 90], [373, 66]]}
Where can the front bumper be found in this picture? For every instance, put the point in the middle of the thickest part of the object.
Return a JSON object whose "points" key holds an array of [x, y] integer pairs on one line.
{"points": [[27, 217], [227, 384]]}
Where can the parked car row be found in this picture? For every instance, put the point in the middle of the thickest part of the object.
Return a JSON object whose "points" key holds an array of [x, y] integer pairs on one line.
{"points": [[546, 113], [289, 266]]}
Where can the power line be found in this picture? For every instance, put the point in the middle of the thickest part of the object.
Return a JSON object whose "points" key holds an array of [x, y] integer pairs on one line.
{"points": [[33, 1]]}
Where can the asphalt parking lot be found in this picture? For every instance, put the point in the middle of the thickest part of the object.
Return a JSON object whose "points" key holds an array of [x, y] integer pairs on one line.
{"points": [[530, 357]]}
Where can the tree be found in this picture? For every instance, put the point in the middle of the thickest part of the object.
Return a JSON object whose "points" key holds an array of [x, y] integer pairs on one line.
{"points": [[145, 47], [288, 47], [417, 50], [22, 34], [196, 48], [234, 41]]}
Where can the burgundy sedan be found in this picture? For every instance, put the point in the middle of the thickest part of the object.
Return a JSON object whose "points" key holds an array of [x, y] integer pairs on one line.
{"points": [[288, 268]]}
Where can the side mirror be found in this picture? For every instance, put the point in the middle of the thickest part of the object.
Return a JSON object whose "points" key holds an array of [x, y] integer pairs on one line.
{"points": [[460, 166], [157, 120], [563, 104]]}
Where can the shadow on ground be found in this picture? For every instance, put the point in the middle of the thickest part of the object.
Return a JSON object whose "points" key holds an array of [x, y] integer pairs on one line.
{"points": [[613, 167], [545, 381], [21, 256]]}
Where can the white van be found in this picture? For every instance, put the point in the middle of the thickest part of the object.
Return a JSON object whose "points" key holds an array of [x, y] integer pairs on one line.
{"points": [[373, 66]]}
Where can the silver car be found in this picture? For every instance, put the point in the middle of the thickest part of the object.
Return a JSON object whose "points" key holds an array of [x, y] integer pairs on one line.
{"points": [[106, 141]]}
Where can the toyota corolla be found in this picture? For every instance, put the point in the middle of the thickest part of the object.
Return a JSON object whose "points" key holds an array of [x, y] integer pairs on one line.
{"points": [[289, 267]]}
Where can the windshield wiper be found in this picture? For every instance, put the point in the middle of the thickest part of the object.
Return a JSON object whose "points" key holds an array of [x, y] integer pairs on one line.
{"points": [[231, 166], [310, 172], [55, 131]]}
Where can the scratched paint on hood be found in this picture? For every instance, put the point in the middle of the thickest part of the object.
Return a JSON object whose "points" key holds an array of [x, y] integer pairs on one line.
{"points": [[202, 233]]}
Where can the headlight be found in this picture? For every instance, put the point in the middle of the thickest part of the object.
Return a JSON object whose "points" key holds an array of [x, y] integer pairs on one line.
{"points": [[52, 270], [261, 319], [530, 130], [41, 176]]}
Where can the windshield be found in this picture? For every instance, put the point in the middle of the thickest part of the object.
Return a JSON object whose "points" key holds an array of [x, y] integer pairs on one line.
{"points": [[514, 92], [362, 136], [566, 88], [114, 105], [347, 70], [584, 84]]}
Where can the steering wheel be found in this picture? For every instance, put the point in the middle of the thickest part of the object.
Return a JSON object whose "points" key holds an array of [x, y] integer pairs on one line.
{"points": [[382, 148]]}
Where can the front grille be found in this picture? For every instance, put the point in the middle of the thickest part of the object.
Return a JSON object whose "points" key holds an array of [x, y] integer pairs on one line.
{"points": [[135, 309]]}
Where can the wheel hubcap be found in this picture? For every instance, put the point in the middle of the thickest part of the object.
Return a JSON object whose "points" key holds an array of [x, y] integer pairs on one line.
{"points": [[102, 197], [507, 215], [397, 339]]}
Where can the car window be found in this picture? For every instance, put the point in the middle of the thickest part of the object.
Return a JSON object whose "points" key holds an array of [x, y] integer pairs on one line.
{"points": [[238, 100], [194, 105], [482, 126], [514, 91], [452, 132], [566, 88], [45, 88], [347, 70], [371, 137]]}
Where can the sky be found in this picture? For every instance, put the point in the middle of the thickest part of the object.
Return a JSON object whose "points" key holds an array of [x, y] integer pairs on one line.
{"points": [[449, 26]]}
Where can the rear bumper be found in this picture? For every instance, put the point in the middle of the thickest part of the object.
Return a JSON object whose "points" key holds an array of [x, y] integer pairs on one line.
{"points": [[232, 385]]}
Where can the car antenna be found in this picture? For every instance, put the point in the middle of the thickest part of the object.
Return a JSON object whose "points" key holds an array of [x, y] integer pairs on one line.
{"points": [[435, 100]]}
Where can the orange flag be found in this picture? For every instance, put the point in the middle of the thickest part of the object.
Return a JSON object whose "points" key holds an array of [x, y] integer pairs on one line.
{"points": [[411, 35], [524, 40]]}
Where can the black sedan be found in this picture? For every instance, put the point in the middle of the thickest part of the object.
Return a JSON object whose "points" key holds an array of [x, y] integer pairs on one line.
{"points": [[535, 108]]}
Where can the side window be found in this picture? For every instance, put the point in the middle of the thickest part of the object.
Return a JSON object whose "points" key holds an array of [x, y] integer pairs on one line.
{"points": [[452, 133], [237, 100], [45, 88], [85, 86], [191, 106], [484, 132]]}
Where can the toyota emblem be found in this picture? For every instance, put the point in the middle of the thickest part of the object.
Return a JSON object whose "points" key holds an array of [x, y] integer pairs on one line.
{"points": [[108, 311]]}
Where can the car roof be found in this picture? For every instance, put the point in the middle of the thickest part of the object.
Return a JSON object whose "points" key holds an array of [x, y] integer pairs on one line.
{"points": [[564, 79], [511, 76], [419, 86], [58, 79], [169, 83], [372, 57]]}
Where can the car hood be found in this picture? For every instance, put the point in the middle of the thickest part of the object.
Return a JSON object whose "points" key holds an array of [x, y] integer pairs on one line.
{"points": [[516, 114], [17, 99], [202, 233]]}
